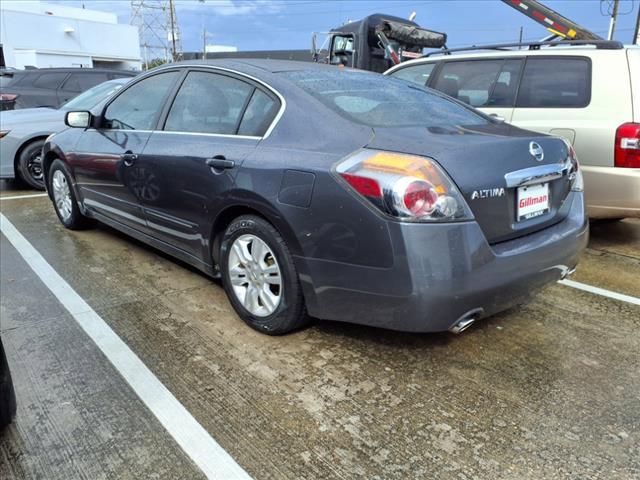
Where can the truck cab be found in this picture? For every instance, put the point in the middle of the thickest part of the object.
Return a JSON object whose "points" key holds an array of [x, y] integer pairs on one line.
{"points": [[361, 44]]}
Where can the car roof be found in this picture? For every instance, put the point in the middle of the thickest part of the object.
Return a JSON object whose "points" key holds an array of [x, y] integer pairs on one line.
{"points": [[247, 65], [491, 53]]}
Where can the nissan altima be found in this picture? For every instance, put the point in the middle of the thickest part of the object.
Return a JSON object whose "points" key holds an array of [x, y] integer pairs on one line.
{"points": [[318, 192]]}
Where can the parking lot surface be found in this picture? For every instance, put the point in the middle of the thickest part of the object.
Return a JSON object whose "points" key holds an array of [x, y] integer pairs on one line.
{"points": [[550, 389]]}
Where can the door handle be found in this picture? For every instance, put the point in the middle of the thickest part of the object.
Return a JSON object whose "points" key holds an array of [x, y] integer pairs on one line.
{"points": [[219, 162], [129, 158]]}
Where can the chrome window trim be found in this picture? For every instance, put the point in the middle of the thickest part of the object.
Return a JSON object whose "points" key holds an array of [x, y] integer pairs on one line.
{"points": [[224, 135], [274, 122]]}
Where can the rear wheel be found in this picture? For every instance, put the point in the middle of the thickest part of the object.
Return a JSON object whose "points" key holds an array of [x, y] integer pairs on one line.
{"points": [[259, 277], [64, 199], [30, 165]]}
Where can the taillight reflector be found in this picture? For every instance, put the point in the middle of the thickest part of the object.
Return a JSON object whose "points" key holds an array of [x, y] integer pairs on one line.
{"points": [[363, 185], [627, 147]]}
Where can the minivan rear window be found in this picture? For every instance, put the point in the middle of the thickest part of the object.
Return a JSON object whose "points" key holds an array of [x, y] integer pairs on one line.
{"points": [[557, 82], [378, 101]]}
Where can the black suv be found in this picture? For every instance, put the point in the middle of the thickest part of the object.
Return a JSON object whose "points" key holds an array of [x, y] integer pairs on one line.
{"points": [[50, 87]]}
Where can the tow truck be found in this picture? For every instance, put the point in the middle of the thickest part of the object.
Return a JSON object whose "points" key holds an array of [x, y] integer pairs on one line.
{"points": [[376, 43]]}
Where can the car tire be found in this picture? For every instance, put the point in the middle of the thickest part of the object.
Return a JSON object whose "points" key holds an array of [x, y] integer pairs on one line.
{"points": [[7, 394], [29, 166], [64, 198], [255, 255]]}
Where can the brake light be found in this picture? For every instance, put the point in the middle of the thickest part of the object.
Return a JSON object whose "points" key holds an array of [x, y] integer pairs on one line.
{"points": [[573, 168], [7, 97], [404, 186], [627, 147]]}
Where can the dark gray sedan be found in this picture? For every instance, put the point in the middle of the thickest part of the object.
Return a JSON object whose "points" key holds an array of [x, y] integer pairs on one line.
{"points": [[315, 191]]}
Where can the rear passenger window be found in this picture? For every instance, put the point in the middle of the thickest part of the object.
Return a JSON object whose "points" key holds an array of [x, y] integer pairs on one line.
{"points": [[506, 85], [259, 114], [555, 82], [208, 103], [417, 74], [79, 82], [470, 82], [49, 80]]}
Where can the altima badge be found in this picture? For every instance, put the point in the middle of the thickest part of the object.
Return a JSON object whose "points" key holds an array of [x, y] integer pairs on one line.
{"points": [[536, 151], [488, 193]]}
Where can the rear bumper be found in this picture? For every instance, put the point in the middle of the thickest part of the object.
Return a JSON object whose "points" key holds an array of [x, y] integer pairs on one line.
{"points": [[612, 192], [441, 272]]}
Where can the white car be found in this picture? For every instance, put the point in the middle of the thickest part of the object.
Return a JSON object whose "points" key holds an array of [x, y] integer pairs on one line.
{"points": [[23, 132], [587, 93]]}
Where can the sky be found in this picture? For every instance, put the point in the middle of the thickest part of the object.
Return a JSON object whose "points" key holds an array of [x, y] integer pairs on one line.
{"points": [[287, 24]]}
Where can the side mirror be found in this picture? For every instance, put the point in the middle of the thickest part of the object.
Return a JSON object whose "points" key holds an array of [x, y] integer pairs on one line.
{"points": [[80, 119]]}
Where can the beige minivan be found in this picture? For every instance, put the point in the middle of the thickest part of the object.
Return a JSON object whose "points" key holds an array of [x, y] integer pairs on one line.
{"points": [[588, 94]]}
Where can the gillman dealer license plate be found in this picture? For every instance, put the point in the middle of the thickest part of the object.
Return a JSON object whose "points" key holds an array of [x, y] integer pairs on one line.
{"points": [[533, 201]]}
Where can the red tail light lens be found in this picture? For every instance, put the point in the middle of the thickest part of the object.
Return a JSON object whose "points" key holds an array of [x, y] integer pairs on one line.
{"points": [[627, 147], [7, 97], [367, 187], [404, 186]]}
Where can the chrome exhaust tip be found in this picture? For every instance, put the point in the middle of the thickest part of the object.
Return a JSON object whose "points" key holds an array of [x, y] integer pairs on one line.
{"points": [[466, 321], [462, 325]]}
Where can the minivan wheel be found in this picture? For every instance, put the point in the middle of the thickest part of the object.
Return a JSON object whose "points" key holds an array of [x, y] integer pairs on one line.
{"points": [[30, 165], [64, 199], [260, 278]]}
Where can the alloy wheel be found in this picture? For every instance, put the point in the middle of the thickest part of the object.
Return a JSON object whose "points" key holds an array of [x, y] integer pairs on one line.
{"points": [[61, 194], [255, 275]]}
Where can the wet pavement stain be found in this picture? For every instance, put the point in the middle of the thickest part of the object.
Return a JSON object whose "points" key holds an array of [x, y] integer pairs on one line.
{"points": [[546, 390]]}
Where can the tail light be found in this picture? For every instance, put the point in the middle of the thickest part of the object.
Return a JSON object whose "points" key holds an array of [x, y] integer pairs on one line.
{"points": [[8, 97], [627, 147], [573, 168], [407, 187]]}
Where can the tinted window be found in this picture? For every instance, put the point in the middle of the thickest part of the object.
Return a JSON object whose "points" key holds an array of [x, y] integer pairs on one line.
{"points": [[470, 82], [138, 106], [506, 85], [379, 101], [49, 80], [208, 103], [79, 82], [259, 114], [417, 74], [555, 82], [90, 98]]}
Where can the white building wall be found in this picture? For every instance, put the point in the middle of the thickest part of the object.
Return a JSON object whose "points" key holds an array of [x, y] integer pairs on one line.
{"points": [[68, 37]]}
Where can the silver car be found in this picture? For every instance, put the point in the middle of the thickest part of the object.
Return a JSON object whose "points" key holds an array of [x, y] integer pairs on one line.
{"points": [[23, 132]]}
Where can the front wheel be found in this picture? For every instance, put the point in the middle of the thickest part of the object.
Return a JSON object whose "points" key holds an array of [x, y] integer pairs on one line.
{"points": [[30, 165], [260, 278], [64, 199]]}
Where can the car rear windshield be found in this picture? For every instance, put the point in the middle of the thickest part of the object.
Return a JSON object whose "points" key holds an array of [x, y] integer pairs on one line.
{"points": [[379, 101]]}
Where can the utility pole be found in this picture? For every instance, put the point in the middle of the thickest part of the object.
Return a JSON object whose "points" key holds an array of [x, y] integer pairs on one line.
{"points": [[612, 23], [174, 54], [204, 42], [636, 36]]}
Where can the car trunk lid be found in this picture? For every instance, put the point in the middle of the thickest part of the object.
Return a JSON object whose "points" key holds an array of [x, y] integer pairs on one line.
{"points": [[496, 169]]}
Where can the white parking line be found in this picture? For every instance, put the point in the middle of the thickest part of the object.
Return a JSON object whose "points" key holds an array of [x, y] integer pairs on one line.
{"points": [[601, 291], [205, 452], [17, 197]]}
